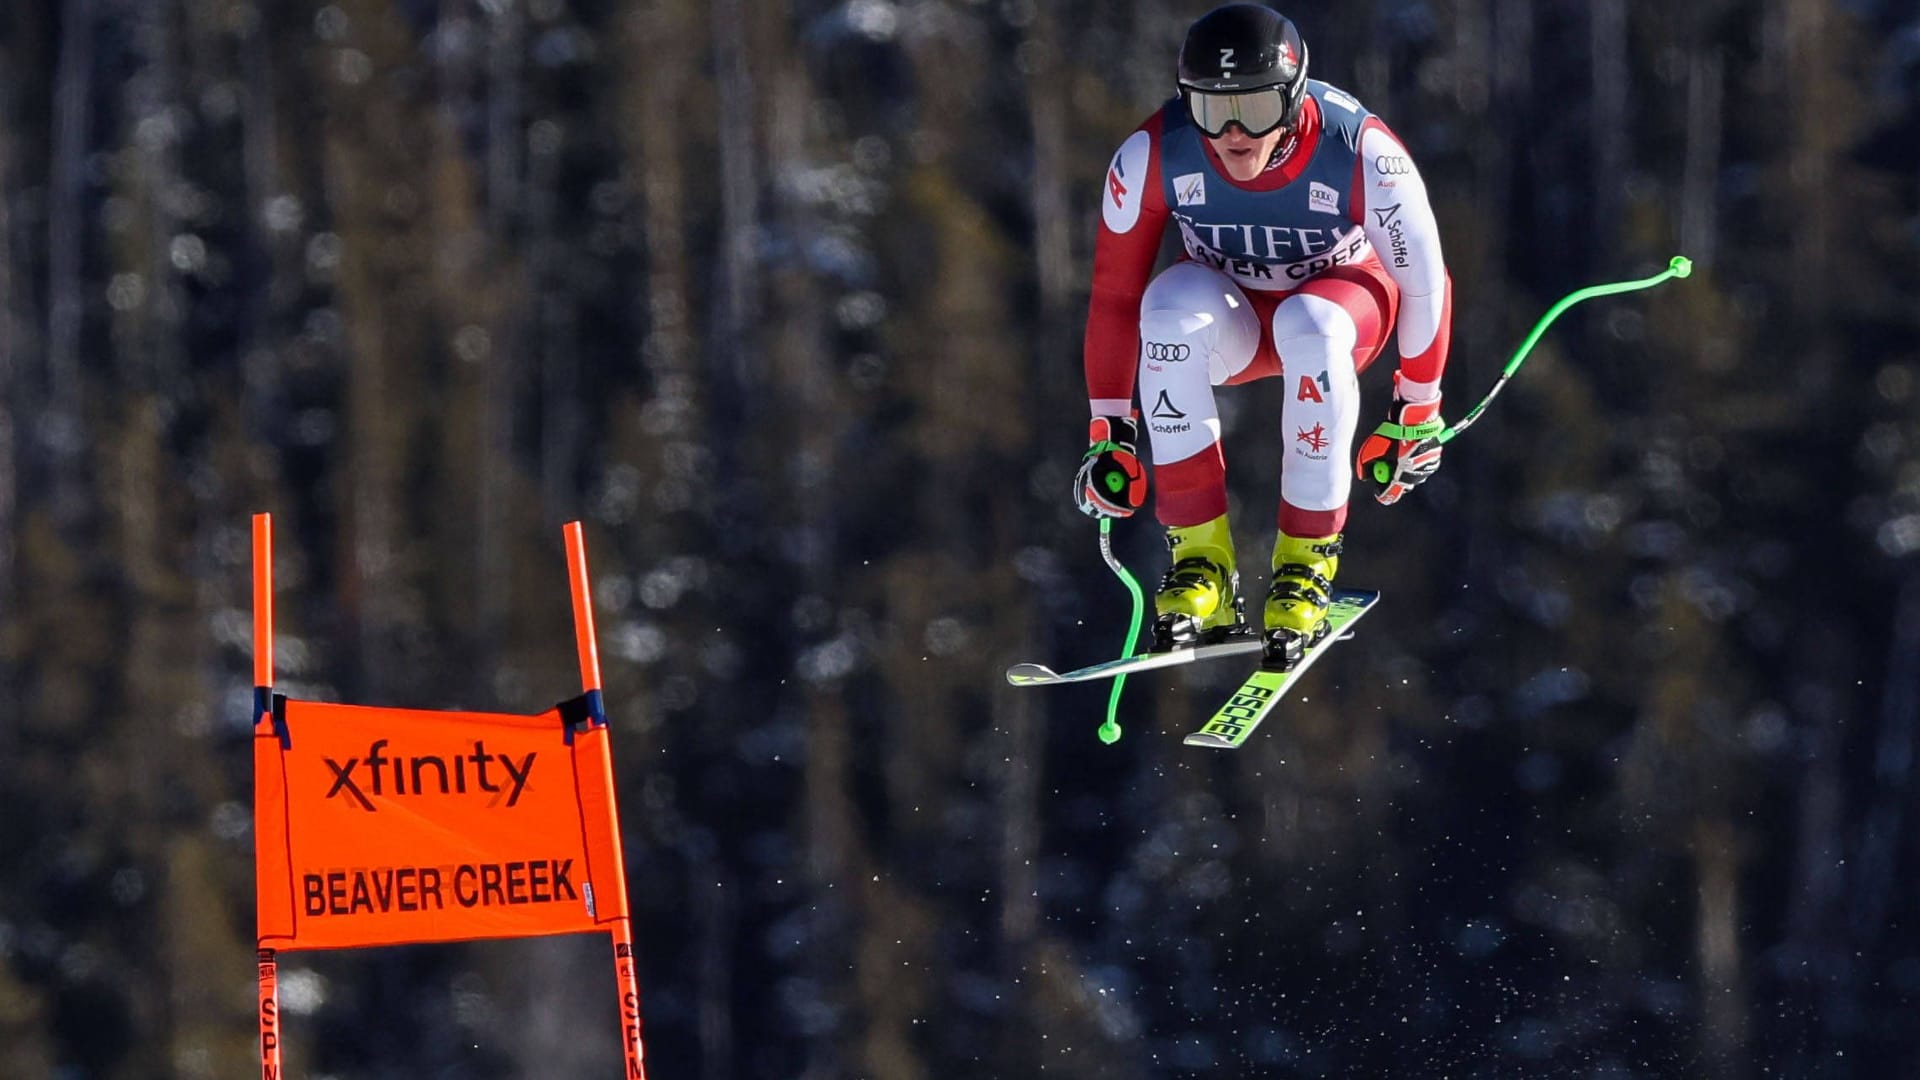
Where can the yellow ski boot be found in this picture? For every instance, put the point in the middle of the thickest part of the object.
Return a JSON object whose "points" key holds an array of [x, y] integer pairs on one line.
{"points": [[1302, 590], [1199, 600]]}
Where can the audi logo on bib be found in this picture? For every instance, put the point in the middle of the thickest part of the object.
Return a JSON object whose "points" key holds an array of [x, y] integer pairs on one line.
{"points": [[1166, 351], [1392, 165]]}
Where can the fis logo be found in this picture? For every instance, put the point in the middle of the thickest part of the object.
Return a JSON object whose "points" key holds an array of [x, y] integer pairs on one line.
{"points": [[1190, 190], [1341, 98], [428, 774]]}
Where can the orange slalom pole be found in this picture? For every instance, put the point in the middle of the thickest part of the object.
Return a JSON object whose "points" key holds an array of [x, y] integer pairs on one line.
{"points": [[270, 1068], [262, 601], [269, 1011], [582, 608], [626, 978]]}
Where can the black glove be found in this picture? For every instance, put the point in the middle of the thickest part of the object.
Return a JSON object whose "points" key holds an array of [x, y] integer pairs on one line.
{"points": [[1111, 481]]}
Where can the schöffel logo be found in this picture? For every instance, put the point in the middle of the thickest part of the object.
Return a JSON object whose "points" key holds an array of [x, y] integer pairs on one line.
{"points": [[428, 774], [1389, 218], [1165, 409], [1169, 351], [1392, 165]]}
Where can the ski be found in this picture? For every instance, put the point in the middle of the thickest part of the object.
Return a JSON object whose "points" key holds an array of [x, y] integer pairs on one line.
{"points": [[1234, 722], [1042, 675]]}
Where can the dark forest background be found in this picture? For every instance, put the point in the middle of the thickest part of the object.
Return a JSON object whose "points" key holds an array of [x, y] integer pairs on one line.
{"points": [[784, 299]]}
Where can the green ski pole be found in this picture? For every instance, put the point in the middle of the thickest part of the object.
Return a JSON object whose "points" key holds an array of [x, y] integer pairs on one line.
{"points": [[1110, 731], [1677, 267]]}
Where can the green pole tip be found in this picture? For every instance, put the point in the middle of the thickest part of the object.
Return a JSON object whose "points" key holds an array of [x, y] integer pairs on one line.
{"points": [[1109, 733], [1681, 266]]}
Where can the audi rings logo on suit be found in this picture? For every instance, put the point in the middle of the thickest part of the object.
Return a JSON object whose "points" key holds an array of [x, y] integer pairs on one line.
{"points": [[1171, 352]]}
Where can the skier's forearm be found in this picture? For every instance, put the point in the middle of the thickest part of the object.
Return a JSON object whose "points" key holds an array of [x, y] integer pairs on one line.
{"points": [[1112, 350], [1424, 335]]}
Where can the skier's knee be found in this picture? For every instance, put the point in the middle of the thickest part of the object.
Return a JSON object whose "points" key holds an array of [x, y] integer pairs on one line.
{"points": [[1189, 287], [1315, 317]]}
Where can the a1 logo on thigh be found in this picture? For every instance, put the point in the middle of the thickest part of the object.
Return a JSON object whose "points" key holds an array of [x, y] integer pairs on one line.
{"points": [[1314, 388]]}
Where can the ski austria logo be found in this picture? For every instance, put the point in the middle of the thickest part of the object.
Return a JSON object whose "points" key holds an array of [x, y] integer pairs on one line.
{"points": [[1322, 198], [1126, 180], [1315, 440], [1190, 190]]}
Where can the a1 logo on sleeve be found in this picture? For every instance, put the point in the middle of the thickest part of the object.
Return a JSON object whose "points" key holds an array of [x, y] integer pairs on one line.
{"points": [[1126, 183]]}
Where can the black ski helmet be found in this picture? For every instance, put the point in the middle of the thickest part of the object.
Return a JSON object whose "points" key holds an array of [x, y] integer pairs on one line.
{"points": [[1245, 47]]}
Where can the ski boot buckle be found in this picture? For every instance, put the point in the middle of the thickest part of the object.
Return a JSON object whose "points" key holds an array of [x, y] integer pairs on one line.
{"points": [[1282, 649], [1172, 632]]}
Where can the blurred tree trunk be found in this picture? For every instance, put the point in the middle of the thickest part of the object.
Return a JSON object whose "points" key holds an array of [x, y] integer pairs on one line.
{"points": [[1015, 712], [1055, 214], [271, 261], [160, 657], [555, 319], [1373, 72], [711, 889], [1813, 140], [364, 147], [1611, 79], [731, 337], [13, 279], [1817, 891], [1700, 181], [413, 278], [1487, 306], [1717, 920], [954, 345], [507, 327], [59, 430], [660, 133], [691, 385], [1681, 778], [804, 433], [1878, 890]]}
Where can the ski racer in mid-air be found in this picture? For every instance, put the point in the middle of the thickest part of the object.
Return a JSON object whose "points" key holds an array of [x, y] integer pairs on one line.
{"points": [[1307, 237]]}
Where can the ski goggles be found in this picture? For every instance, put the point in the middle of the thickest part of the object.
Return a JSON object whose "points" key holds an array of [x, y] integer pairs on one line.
{"points": [[1256, 111]]}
